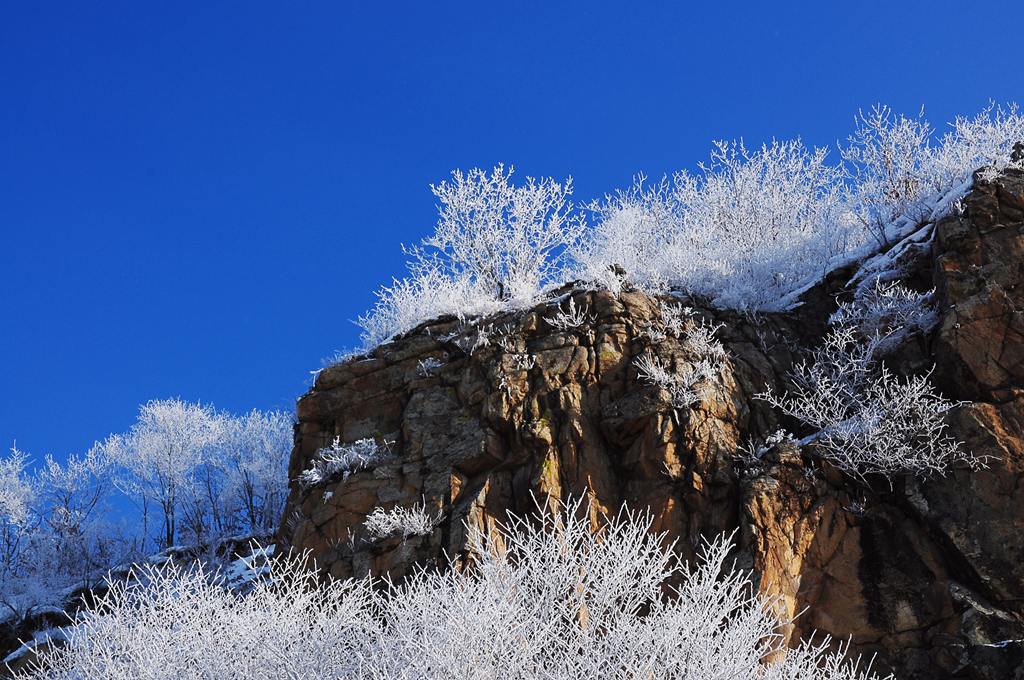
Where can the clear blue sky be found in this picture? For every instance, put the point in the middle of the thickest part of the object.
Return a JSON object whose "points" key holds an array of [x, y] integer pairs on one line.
{"points": [[197, 198]]}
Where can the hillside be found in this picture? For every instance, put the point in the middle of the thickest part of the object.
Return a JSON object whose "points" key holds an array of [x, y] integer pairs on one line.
{"points": [[661, 402]]}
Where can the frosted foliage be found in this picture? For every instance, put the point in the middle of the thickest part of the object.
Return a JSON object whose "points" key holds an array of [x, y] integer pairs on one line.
{"points": [[545, 598], [28, 559], [899, 170], [176, 623], [404, 522], [627, 244], [674, 318], [70, 503], [510, 239], [889, 310], [571, 317], [342, 459], [690, 380], [16, 494], [429, 292], [162, 452], [496, 245], [986, 139], [210, 474], [897, 426], [685, 385], [889, 159], [745, 230], [750, 228], [191, 475], [254, 461], [867, 419]]}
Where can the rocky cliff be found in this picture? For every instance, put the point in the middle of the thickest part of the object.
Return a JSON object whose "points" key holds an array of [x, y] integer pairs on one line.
{"points": [[480, 419]]}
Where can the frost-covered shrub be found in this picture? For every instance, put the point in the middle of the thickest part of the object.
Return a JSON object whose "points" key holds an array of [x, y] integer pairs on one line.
{"points": [[747, 229], [690, 380], [868, 420], [627, 244], [888, 310], [752, 228], [342, 459], [427, 367], [896, 425], [701, 341], [674, 318], [427, 293], [177, 623], [509, 239], [986, 139], [889, 159], [754, 449], [685, 385], [406, 522], [571, 317], [546, 598], [495, 246], [900, 171]]}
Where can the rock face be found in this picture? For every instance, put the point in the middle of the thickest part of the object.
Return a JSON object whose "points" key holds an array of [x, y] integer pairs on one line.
{"points": [[488, 419]]}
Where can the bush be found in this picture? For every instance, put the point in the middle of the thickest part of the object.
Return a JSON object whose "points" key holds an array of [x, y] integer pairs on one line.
{"points": [[496, 245], [750, 227], [405, 522], [544, 598], [985, 140], [175, 623], [342, 459], [888, 159], [868, 420]]}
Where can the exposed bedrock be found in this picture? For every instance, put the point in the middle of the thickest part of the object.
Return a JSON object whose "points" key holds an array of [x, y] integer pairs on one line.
{"points": [[928, 573]]}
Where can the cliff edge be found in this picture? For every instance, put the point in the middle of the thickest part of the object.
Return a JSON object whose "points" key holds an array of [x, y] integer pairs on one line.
{"points": [[471, 420]]}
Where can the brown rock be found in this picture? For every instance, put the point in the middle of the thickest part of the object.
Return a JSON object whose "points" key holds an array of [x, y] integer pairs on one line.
{"points": [[927, 573]]}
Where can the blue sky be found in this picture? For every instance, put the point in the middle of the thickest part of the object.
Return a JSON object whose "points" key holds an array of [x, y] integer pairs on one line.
{"points": [[196, 199]]}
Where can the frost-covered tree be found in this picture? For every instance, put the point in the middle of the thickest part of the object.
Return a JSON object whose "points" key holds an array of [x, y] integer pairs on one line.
{"points": [[254, 459], [16, 493], [509, 239], [162, 452], [28, 565], [72, 496], [547, 597], [496, 244], [16, 520], [206, 475]]}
